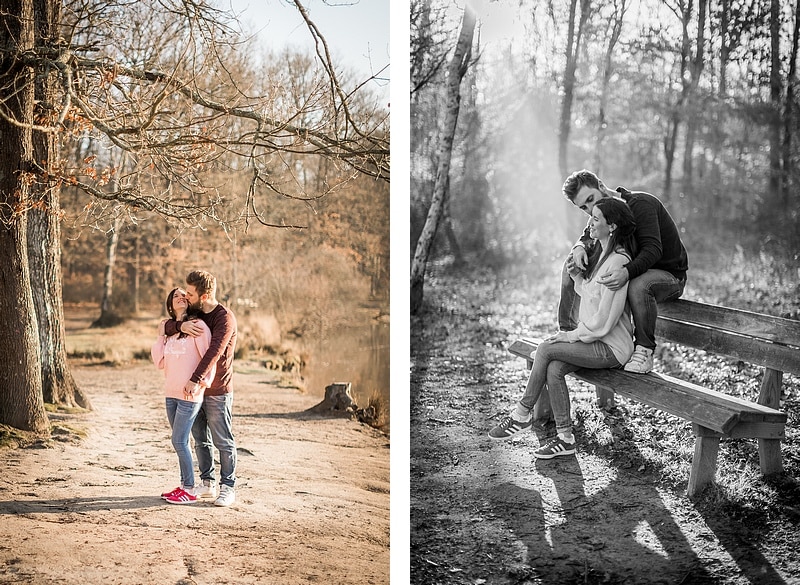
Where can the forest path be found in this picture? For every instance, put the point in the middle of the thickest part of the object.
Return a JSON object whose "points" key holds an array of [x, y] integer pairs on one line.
{"points": [[312, 494], [488, 513]]}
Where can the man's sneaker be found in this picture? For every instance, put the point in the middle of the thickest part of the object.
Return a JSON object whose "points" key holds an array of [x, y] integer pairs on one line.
{"points": [[166, 495], [555, 448], [182, 497], [641, 361], [206, 490], [508, 428], [227, 496]]}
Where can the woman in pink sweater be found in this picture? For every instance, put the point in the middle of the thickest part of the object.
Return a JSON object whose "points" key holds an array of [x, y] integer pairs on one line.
{"points": [[178, 355]]}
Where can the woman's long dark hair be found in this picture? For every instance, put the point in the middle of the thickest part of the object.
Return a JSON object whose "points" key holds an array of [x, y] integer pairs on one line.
{"points": [[615, 211]]}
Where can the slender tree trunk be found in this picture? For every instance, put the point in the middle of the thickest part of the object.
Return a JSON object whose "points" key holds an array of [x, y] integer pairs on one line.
{"points": [[676, 116], [21, 404], [776, 91], [692, 101], [789, 115], [108, 317], [608, 70], [573, 49], [456, 70]]}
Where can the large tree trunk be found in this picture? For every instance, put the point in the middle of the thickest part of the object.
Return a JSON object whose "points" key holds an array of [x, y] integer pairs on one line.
{"points": [[44, 232], [456, 70], [21, 404]]}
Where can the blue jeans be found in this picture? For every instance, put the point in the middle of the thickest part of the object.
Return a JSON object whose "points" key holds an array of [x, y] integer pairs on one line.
{"points": [[552, 362], [181, 415], [644, 292], [214, 424]]}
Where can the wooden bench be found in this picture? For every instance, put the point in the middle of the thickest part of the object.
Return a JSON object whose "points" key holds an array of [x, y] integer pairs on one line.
{"points": [[770, 342]]}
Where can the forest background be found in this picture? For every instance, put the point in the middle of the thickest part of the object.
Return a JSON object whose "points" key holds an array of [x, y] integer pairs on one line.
{"points": [[695, 102], [143, 140]]}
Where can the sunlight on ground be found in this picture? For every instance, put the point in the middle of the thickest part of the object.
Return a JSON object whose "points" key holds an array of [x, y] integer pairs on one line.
{"points": [[644, 534]]}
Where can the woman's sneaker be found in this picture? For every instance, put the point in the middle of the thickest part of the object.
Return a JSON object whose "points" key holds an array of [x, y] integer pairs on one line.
{"points": [[182, 497], [509, 427], [555, 448], [166, 495]]}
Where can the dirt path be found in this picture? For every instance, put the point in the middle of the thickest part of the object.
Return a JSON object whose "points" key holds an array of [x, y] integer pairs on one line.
{"points": [[485, 512], [312, 495]]}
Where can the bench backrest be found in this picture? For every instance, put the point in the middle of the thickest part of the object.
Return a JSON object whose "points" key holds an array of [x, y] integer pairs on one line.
{"points": [[759, 339]]}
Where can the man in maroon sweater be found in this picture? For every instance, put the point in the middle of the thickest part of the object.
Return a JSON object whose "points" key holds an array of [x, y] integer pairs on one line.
{"points": [[214, 422]]}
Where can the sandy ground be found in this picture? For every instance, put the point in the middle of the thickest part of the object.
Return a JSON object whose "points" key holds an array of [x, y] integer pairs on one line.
{"points": [[312, 494]]}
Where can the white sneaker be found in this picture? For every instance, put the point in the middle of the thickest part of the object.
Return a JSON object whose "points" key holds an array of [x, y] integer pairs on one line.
{"points": [[206, 490], [227, 496], [641, 361]]}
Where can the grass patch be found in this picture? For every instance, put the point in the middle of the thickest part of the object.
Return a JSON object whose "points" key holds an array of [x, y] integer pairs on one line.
{"points": [[12, 438]]}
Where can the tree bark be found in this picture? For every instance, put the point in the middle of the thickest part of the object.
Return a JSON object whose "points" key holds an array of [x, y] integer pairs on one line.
{"points": [[456, 70], [21, 404], [44, 232]]}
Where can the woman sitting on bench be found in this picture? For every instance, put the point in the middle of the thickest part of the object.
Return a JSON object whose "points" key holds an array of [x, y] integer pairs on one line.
{"points": [[603, 338]]}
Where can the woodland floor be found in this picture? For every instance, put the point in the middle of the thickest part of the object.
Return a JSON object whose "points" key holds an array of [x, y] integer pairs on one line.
{"points": [[485, 512], [312, 493]]}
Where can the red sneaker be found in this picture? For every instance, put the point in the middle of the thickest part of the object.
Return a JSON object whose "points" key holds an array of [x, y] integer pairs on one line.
{"points": [[166, 495], [181, 497]]}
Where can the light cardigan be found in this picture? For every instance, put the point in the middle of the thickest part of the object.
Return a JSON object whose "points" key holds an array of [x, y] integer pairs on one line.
{"points": [[604, 315], [178, 357]]}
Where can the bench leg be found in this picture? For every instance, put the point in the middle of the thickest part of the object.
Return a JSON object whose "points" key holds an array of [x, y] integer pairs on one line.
{"points": [[769, 450], [605, 396], [704, 462]]}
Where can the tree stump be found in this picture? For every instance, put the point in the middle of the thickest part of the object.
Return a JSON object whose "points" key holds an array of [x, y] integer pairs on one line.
{"points": [[337, 401]]}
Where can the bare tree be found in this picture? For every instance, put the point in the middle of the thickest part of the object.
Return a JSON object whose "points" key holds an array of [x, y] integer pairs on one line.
{"points": [[457, 68], [574, 37], [21, 403], [174, 113], [620, 7]]}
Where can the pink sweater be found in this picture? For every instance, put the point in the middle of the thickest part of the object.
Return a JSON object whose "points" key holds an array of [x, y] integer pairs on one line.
{"points": [[179, 358]]}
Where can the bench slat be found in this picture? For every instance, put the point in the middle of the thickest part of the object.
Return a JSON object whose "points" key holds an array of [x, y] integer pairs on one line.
{"points": [[771, 355], [711, 409], [765, 327]]}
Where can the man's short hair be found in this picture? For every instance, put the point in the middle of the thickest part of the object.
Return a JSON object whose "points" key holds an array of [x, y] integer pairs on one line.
{"points": [[203, 282], [578, 180]]}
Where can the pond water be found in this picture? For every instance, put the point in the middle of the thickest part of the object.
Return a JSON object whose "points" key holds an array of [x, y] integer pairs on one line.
{"points": [[359, 355]]}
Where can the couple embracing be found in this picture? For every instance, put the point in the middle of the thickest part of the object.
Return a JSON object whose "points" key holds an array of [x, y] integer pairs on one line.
{"points": [[629, 258], [195, 348]]}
